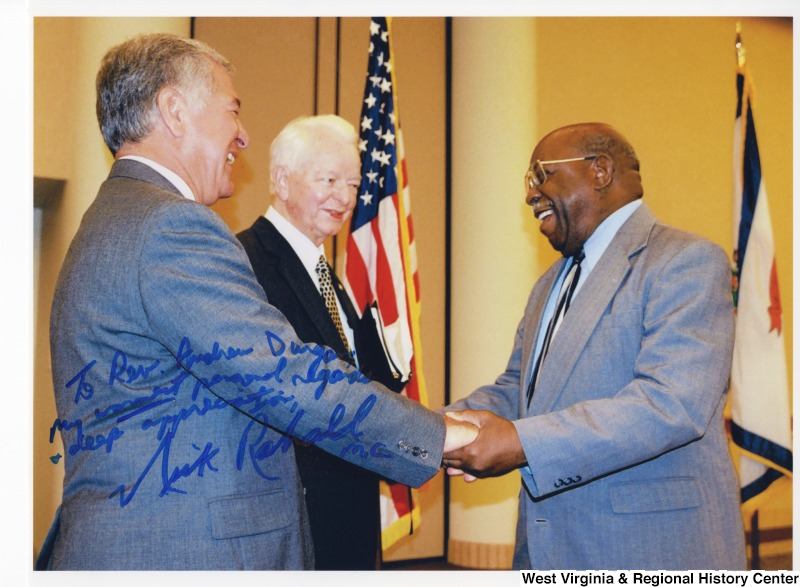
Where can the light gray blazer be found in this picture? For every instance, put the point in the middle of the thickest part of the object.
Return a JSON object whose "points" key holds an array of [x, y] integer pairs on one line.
{"points": [[173, 377], [628, 459]]}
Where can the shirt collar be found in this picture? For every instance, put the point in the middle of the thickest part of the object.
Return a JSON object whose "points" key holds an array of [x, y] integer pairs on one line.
{"points": [[171, 176], [308, 252], [597, 243]]}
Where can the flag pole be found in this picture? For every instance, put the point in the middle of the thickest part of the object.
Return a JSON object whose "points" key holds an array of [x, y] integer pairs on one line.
{"points": [[755, 542]]}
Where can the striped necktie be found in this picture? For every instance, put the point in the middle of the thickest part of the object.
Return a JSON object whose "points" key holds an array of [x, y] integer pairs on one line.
{"points": [[562, 305], [326, 289]]}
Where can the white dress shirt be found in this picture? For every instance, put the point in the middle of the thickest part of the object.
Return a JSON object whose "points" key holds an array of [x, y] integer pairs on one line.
{"points": [[309, 254]]}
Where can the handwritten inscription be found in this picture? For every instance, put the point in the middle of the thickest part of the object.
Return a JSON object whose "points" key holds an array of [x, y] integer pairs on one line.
{"points": [[187, 357], [167, 395], [83, 389], [85, 441], [121, 371]]}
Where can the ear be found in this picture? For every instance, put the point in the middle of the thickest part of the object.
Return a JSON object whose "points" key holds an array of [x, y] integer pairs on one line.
{"points": [[603, 167], [280, 179], [171, 109]]}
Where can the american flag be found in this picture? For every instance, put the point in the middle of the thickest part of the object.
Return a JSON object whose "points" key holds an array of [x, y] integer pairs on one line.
{"points": [[760, 413], [381, 263]]}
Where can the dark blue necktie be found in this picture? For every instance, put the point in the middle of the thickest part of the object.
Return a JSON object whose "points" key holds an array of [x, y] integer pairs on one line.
{"points": [[562, 305]]}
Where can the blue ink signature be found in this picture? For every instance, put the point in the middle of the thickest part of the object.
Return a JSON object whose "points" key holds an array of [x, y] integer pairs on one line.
{"points": [[256, 445], [261, 448], [335, 432], [314, 374], [120, 371], [167, 477], [85, 389], [258, 441], [88, 442], [167, 428], [186, 356]]}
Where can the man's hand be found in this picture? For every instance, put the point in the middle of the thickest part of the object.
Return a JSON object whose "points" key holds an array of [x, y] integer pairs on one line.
{"points": [[496, 451], [458, 432]]}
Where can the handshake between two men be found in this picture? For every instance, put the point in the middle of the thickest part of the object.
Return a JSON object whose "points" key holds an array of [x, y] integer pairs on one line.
{"points": [[489, 449]]}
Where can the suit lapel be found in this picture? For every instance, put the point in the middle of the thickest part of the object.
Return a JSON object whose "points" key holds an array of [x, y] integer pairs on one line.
{"points": [[291, 270], [588, 306]]}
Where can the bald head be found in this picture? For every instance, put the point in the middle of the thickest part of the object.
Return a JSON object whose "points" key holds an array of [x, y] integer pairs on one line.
{"points": [[597, 138]]}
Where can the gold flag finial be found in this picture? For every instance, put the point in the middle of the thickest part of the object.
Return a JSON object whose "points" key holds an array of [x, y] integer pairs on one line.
{"points": [[740, 52]]}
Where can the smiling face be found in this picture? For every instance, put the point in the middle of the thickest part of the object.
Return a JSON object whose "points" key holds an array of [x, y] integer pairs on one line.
{"points": [[214, 138], [567, 205], [319, 196]]}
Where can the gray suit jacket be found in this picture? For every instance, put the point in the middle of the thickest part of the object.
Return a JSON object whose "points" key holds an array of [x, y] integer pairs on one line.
{"points": [[628, 458], [174, 379]]}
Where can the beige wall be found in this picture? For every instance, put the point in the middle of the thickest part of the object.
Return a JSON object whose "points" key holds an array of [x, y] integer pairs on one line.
{"points": [[669, 85], [494, 265], [666, 83]]}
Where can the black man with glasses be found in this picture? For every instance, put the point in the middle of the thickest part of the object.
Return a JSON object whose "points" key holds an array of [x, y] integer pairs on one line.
{"points": [[611, 405]]}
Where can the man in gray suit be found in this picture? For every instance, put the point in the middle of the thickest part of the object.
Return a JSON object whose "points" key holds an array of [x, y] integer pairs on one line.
{"points": [[176, 381], [613, 410]]}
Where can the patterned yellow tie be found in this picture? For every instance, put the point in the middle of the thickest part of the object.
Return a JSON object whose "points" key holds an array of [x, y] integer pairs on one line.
{"points": [[326, 289]]}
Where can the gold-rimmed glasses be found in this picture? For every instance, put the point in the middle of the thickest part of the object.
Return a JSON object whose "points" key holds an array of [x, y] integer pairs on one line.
{"points": [[536, 174]]}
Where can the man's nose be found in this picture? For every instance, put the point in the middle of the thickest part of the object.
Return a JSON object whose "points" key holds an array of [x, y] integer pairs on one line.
{"points": [[343, 192], [242, 139]]}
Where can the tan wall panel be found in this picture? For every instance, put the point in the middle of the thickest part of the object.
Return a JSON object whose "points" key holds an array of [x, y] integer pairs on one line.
{"points": [[494, 251], [274, 60]]}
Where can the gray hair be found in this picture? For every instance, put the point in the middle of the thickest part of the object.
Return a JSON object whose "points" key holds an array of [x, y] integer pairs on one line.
{"points": [[611, 144], [290, 146], [132, 73]]}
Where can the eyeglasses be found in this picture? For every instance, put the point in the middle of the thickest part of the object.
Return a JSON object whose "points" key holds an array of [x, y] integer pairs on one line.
{"points": [[536, 175]]}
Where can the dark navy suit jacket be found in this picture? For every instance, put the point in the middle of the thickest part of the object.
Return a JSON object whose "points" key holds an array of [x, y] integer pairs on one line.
{"points": [[343, 500]]}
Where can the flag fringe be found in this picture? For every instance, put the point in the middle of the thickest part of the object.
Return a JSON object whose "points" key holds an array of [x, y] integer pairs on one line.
{"points": [[758, 501], [739, 451], [403, 526]]}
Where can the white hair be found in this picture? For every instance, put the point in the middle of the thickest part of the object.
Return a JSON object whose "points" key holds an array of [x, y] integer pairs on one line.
{"points": [[289, 148]]}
